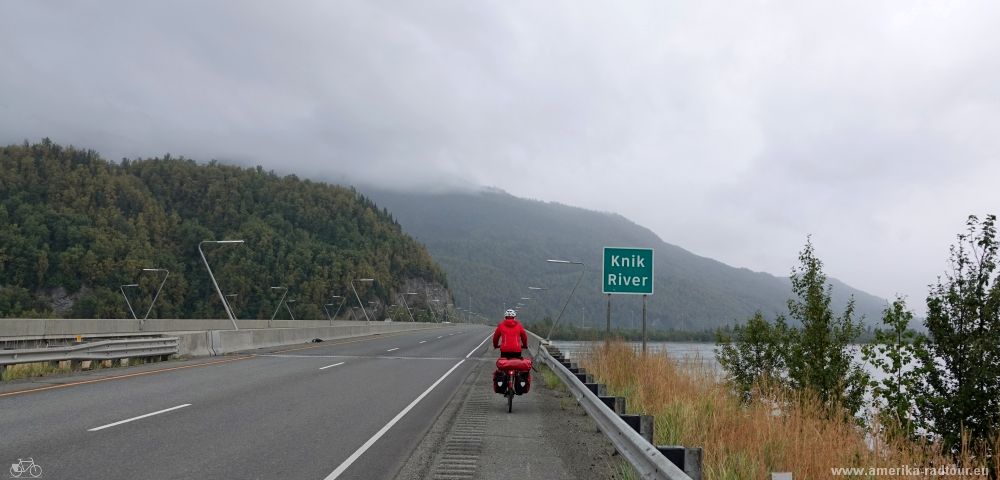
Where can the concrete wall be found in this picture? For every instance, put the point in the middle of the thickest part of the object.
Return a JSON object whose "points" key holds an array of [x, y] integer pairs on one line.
{"points": [[16, 327], [210, 337], [228, 341]]}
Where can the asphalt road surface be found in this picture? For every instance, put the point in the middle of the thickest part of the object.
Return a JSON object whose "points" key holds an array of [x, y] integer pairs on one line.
{"points": [[347, 409]]}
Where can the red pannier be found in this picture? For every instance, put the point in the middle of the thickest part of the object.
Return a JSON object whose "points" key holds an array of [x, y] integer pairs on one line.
{"points": [[516, 364], [522, 384]]}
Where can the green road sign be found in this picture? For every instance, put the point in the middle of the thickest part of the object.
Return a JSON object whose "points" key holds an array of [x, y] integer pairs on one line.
{"points": [[628, 270]]}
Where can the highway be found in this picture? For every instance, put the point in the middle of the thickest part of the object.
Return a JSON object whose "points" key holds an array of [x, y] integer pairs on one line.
{"points": [[346, 409]]}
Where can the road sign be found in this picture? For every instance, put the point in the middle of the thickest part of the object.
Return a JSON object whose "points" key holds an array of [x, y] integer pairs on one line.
{"points": [[627, 271]]}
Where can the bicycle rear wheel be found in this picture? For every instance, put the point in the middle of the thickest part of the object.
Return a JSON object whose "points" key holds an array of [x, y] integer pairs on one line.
{"points": [[510, 402]]}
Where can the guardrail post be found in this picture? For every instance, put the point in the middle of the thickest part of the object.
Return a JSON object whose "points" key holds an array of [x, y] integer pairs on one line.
{"points": [[616, 404], [627, 439], [598, 388], [687, 459], [642, 424]]}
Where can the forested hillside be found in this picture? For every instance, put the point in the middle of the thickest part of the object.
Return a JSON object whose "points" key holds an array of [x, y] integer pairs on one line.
{"points": [[74, 228], [493, 246]]}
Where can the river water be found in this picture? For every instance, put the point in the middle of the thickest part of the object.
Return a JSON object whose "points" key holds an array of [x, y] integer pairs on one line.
{"points": [[692, 353]]}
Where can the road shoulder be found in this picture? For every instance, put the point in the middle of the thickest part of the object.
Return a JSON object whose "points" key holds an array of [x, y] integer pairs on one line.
{"points": [[548, 436]]}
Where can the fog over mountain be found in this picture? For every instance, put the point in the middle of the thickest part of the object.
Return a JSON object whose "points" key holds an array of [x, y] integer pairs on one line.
{"points": [[493, 246], [734, 130]]}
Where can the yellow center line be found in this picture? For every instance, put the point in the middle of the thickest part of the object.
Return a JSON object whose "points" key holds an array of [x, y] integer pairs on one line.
{"points": [[161, 370]]}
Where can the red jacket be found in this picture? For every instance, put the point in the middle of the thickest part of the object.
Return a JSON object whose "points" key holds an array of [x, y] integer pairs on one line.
{"points": [[510, 336]]}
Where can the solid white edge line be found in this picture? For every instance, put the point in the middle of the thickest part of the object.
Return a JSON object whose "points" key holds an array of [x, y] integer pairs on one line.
{"points": [[334, 365], [371, 441], [477, 346], [392, 349], [102, 427]]}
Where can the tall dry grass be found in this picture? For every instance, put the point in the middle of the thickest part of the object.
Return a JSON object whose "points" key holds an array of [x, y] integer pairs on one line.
{"points": [[778, 432]]}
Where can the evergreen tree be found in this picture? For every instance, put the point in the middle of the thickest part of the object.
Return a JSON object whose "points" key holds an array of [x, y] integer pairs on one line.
{"points": [[75, 224]]}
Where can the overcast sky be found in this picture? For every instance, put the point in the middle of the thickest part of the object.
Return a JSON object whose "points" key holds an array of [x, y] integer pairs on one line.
{"points": [[732, 129]]}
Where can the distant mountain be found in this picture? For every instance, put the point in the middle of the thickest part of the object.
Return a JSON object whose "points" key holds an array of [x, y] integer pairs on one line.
{"points": [[75, 228], [493, 246]]}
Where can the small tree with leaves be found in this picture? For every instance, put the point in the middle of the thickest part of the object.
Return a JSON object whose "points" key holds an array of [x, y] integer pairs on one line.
{"points": [[818, 357], [891, 352], [959, 391], [753, 352], [814, 358]]}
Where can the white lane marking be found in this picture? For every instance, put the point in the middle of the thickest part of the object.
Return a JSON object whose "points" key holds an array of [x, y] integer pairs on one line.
{"points": [[371, 441], [422, 341], [334, 365], [354, 357], [392, 349], [477, 346], [442, 336], [102, 427]]}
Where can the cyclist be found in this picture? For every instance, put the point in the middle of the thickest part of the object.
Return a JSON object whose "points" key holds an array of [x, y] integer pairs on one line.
{"points": [[510, 336]]}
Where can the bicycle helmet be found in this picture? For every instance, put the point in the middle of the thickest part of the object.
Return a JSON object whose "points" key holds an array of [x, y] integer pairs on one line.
{"points": [[510, 313]]}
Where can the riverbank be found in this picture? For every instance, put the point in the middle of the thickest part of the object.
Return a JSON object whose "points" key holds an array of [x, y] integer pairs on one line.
{"points": [[781, 433]]}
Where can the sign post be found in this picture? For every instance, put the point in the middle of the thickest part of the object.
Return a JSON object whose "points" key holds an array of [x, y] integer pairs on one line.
{"points": [[628, 271]]}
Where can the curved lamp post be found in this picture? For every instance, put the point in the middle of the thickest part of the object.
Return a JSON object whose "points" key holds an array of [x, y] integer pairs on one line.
{"points": [[342, 302], [358, 297], [279, 304], [583, 269], [157, 295], [228, 296], [126, 299], [216, 284], [433, 311], [403, 296]]}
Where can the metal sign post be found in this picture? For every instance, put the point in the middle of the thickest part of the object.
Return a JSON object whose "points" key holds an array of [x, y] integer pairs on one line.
{"points": [[644, 324]]}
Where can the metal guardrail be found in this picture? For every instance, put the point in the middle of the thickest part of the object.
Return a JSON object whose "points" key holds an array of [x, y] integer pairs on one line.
{"points": [[100, 350], [647, 460]]}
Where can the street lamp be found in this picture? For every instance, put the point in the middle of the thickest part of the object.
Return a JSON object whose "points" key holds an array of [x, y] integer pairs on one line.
{"points": [[126, 299], [403, 296], [231, 295], [583, 269], [157, 295], [433, 312], [342, 302], [358, 297], [279, 304], [210, 274], [538, 289]]}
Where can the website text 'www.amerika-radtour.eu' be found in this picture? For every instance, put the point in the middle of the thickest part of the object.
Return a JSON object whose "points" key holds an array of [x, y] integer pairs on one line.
{"points": [[908, 471]]}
